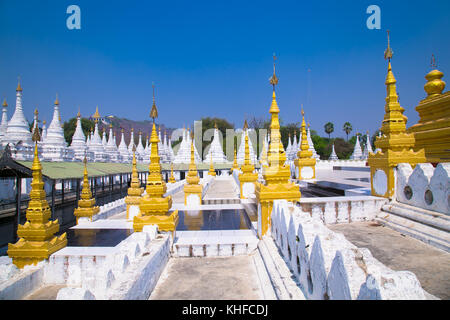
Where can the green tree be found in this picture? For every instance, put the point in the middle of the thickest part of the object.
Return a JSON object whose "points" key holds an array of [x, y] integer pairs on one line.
{"points": [[347, 128], [329, 128]]}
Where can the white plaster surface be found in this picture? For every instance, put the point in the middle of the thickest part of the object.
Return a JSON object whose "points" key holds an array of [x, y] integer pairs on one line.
{"points": [[307, 173], [328, 266], [380, 182]]}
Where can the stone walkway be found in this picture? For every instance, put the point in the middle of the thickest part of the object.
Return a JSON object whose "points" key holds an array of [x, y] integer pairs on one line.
{"points": [[223, 189], [400, 252], [221, 278]]}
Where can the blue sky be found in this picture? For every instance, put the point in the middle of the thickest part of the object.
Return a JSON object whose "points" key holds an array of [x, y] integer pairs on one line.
{"points": [[214, 58]]}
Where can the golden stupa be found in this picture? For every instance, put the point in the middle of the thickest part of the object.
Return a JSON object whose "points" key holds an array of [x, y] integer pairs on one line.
{"points": [[277, 173], [395, 143], [154, 207], [86, 205], [192, 186], [135, 191], [305, 163], [37, 240], [248, 175]]}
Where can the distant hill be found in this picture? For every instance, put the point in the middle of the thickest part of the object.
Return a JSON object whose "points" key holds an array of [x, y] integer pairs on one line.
{"points": [[126, 124]]}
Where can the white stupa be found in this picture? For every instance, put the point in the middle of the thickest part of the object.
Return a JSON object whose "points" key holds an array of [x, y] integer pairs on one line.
{"points": [[18, 134], [357, 153], [131, 143], [4, 123], [378, 149], [140, 148], [333, 155], [78, 144], [96, 146], [215, 151], [184, 151], [295, 146], [147, 151], [123, 150], [104, 141], [241, 150], [311, 144], [111, 147], [54, 146], [264, 151], [289, 149], [368, 147]]}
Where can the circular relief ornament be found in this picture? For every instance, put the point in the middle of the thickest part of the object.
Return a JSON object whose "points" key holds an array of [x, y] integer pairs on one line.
{"points": [[380, 182]]}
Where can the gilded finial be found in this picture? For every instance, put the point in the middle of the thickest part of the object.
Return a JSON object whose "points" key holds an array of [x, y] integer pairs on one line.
{"points": [[154, 111], [4, 103], [57, 101], [19, 88], [36, 112], [78, 114], [274, 80], [433, 62], [44, 122], [36, 134], [388, 53], [96, 115], [245, 124]]}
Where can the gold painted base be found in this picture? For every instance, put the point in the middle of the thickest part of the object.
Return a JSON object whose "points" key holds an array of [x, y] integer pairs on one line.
{"points": [[25, 252], [167, 222], [193, 189]]}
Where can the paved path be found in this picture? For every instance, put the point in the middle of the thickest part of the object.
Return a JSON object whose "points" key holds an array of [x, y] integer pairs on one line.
{"points": [[401, 252], [220, 278], [221, 189]]}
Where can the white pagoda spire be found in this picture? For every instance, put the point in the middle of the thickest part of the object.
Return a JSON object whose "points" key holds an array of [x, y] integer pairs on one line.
{"points": [[111, 147], [96, 145], [78, 144], [19, 131], [54, 147], [4, 123], [131, 144], [357, 153], [123, 149], [368, 148], [104, 141], [140, 148], [215, 151], [333, 155], [311, 144]]}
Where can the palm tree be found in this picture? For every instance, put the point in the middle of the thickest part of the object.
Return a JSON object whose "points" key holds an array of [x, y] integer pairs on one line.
{"points": [[347, 128], [329, 128]]}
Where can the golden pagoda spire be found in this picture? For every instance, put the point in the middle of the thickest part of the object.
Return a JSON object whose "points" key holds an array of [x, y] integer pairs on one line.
{"points": [[154, 110], [305, 162], [154, 207], [247, 176], [395, 143], [96, 115], [192, 187], [4, 103], [211, 171], [235, 164], [86, 205], [135, 191], [56, 100], [277, 174], [37, 241], [171, 178]]}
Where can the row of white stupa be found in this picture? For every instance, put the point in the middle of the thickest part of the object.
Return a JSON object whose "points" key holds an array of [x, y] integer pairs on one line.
{"points": [[53, 147]]}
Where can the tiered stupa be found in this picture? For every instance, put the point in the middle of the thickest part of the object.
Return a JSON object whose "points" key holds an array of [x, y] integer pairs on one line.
{"points": [[235, 164], [368, 147], [333, 155], [135, 191], [211, 171], [289, 148], [172, 177], [96, 145], [111, 147], [18, 134], [4, 123], [311, 144], [37, 240], [54, 146], [192, 189], [276, 174], [78, 144], [44, 130], [140, 148], [248, 176], [396, 145], [131, 144], [123, 150], [215, 149], [305, 163], [86, 205], [154, 208], [357, 152], [263, 155]]}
